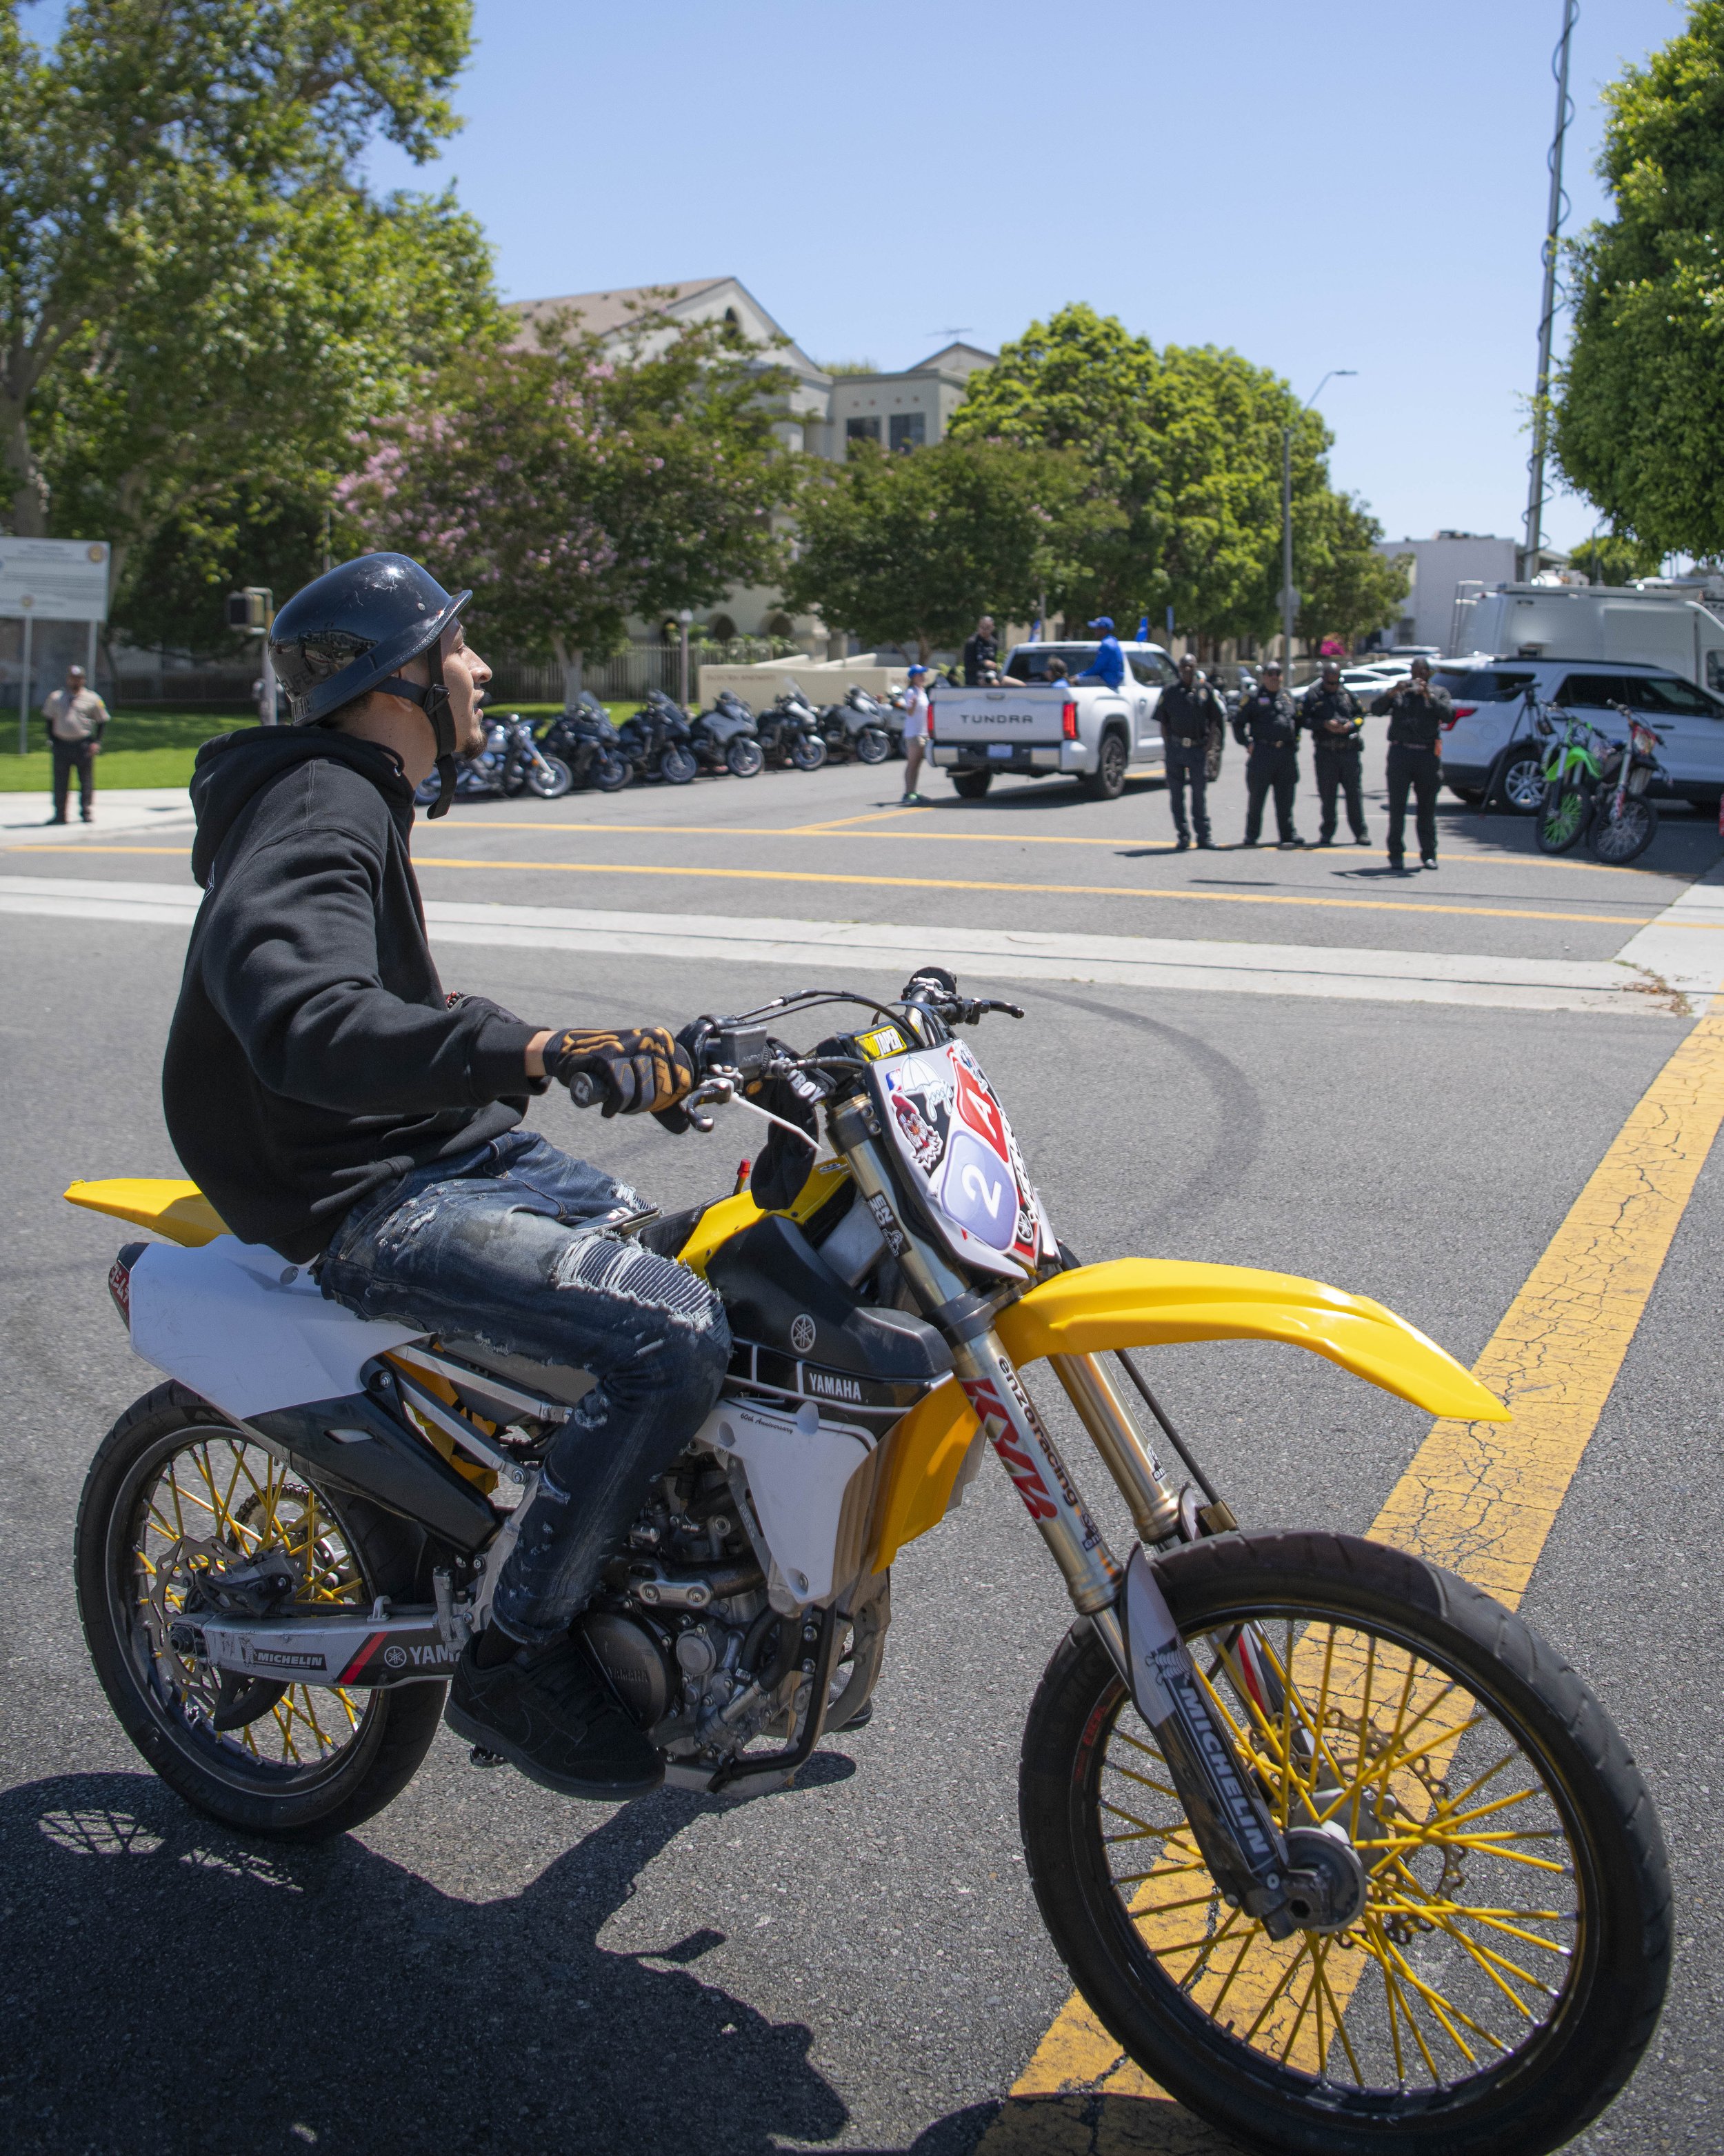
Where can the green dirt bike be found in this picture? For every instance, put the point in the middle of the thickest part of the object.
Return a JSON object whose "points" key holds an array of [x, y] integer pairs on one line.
{"points": [[1573, 773]]}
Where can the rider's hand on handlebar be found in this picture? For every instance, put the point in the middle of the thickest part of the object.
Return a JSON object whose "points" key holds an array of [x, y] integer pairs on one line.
{"points": [[638, 1070]]}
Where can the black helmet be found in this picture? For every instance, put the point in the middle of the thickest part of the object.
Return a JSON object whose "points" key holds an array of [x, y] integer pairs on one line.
{"points": [[348, 633]]}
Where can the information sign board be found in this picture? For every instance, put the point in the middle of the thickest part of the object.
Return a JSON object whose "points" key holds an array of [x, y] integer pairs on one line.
{"points": [[53, 579]]}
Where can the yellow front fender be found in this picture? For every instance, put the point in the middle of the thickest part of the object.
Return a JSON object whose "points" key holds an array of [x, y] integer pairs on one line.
{"points": [[1153, 1303]]}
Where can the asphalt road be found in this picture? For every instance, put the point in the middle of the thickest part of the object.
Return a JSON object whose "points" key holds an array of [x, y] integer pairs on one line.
{"points": [[855, 1963], [1035, 855]]}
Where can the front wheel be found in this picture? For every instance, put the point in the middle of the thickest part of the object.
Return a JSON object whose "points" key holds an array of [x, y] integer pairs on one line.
{"points": [[1520, 784], [1617, 838], [1563, 815], [679, 765], [873, 744], [744, 757], [549, 778], [808, 753], [174, 1489], [609, 773], [1503, 1965]]}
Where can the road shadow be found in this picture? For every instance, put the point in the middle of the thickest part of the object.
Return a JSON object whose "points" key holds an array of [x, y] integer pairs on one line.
{"points": [[170, 1987], [1685, 846], [1035, 794]]}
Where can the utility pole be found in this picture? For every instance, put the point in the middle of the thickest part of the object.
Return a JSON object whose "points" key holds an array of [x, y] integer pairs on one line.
{"points": [[1558, 210], [683, 620], [1289, 597]]}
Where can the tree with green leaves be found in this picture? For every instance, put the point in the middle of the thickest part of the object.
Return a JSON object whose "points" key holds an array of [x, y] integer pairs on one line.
{"points": [[909, 548], [574, 486], [198, 293], [1346, 587], [1616, 557], [1638, 409], [1182, 447]]}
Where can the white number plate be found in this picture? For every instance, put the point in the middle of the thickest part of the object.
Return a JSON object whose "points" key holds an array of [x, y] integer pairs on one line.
{"points": [[999, 748]]}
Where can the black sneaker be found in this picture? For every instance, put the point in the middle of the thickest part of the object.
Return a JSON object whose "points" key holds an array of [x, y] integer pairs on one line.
{"points": [[1181, 844], [550, 1714], [1206, 844]]}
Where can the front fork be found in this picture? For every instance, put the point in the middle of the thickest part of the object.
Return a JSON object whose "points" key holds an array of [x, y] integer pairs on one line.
{"points": [[1238, 1839]]}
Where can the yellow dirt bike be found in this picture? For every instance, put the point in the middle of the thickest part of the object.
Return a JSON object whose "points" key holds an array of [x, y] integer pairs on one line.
{"points": [[1341, 1852]]}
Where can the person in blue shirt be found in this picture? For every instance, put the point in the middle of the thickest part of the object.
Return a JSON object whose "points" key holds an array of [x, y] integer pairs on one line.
{"points": [[1108, 666]]}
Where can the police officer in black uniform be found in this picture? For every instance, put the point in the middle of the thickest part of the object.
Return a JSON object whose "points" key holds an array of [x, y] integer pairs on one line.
{"points": [[1417, 715], [1189, 710], [1267, 725], [1334, 717]]}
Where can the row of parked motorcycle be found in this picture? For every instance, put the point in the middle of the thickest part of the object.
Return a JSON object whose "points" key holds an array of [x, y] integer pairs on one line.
{"points": [[662, 745]]}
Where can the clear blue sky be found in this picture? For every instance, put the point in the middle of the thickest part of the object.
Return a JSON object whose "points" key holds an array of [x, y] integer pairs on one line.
{"points": [[1348, 183]]}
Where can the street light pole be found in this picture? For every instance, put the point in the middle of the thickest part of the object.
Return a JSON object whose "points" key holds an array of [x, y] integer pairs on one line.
{"points": [[1289, 597], [683, 620]]}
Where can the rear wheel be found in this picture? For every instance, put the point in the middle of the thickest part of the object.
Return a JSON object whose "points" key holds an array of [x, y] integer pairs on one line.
{"points": [[1563, 815], [872, 745], [1108, 782], [745, 756], [971, 785], [174, 1489], [1506, 1964], [1624, 838]]}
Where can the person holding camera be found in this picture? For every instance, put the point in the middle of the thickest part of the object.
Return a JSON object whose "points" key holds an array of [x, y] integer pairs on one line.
{"points": [[1417, 714]]}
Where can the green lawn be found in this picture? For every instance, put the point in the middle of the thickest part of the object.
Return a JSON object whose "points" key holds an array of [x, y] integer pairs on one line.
{"points": [[148, 747]]}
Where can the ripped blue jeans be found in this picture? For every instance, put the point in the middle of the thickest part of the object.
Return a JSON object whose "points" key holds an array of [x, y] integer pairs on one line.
{"points": [[508, 1245]]}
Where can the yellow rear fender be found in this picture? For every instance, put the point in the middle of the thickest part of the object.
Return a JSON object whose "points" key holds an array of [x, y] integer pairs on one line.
{"points": [[178, 1210], [1155, 1302]]}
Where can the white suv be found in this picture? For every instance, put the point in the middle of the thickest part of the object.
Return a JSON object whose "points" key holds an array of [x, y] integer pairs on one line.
{"points": [[1492, 717]]}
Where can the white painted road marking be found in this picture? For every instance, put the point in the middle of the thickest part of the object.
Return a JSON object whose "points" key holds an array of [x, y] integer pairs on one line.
{"points": [[1661, 953]]}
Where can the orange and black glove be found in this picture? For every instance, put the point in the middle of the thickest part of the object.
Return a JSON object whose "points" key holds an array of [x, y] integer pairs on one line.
{"points": [[642, 1070]]}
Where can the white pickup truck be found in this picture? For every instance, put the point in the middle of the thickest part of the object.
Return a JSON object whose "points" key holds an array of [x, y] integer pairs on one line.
{"points": [[1039, 727]]}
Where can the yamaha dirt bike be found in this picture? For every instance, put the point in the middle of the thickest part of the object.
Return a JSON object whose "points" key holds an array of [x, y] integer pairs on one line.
{"points": [[511, 762], [1341, 1852]]}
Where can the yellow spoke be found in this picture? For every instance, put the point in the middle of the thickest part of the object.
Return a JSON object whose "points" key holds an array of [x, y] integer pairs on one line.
{"points": [[1162, 1908], [1215, 2005], [1340, 2015], [1490, 1963], [1490, 1775], [1143, 1782], [1446, 1817], [1392, 1982], [1303, 2007], [1286, 1977]]}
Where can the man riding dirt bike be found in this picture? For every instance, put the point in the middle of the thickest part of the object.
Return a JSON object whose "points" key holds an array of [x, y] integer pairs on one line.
{"points": [[1340, 1852], [334, 1104]]}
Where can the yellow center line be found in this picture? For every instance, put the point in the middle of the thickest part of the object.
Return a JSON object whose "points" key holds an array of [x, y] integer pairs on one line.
{"points": [[1482, 1498], [957, 883], [1025, 890], [1122, 843]]}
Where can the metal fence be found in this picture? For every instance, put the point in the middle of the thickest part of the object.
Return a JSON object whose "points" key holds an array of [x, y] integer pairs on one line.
{"points": [[625, 678]]}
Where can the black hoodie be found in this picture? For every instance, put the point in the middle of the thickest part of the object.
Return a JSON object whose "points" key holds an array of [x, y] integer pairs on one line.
{"points": [[314, 1056]]}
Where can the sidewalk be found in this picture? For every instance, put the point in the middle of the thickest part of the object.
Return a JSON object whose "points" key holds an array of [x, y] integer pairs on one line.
{"points": [[24, 817]]}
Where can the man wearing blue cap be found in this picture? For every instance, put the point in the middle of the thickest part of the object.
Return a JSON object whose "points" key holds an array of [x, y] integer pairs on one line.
{"points": [[1109, 664], [916, 735]]}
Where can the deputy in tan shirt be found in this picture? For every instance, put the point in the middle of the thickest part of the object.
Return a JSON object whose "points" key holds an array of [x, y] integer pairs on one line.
{"points": [[76, 717]]}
